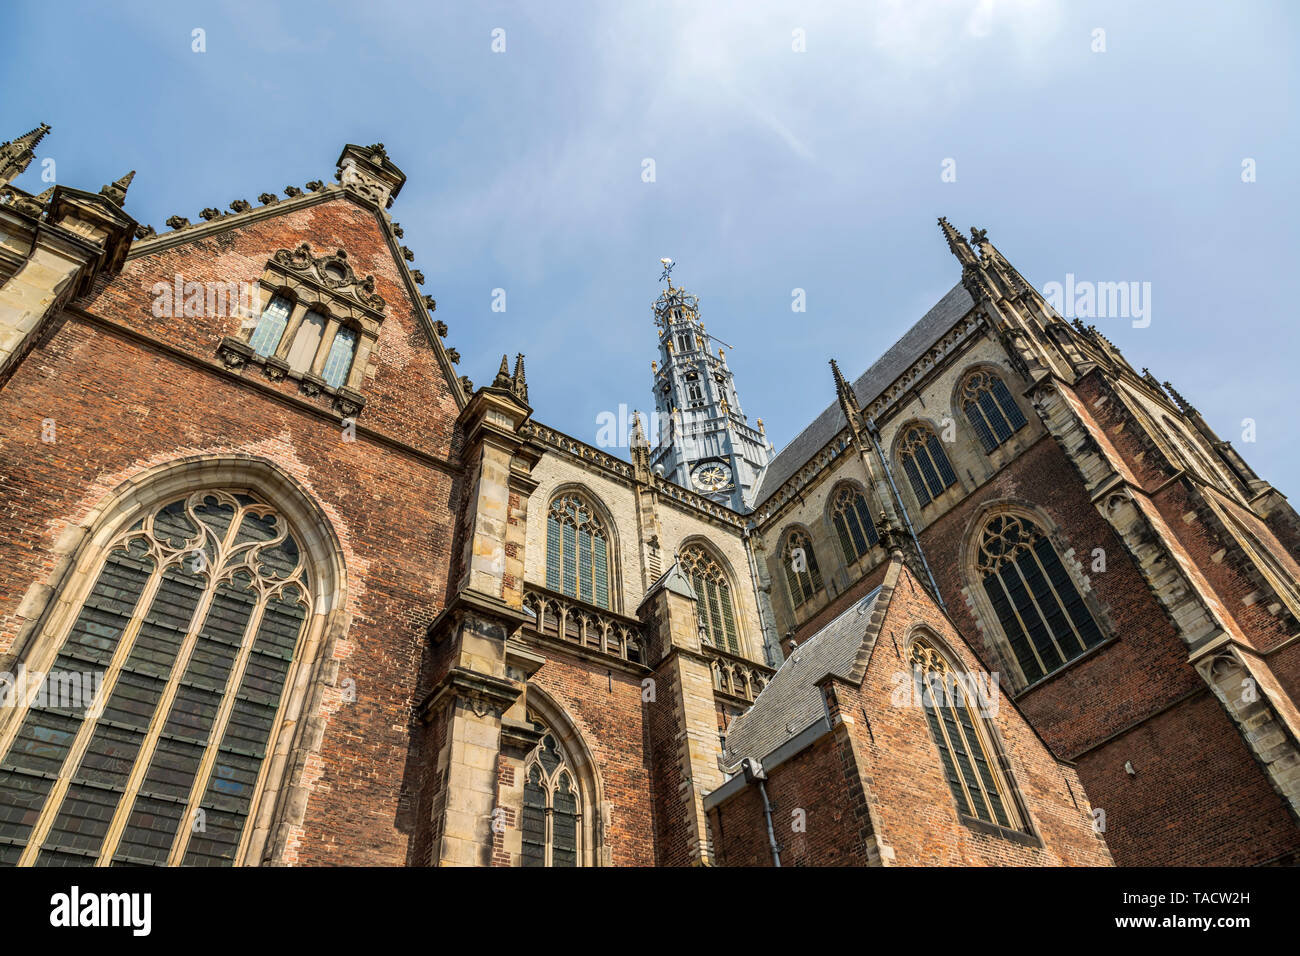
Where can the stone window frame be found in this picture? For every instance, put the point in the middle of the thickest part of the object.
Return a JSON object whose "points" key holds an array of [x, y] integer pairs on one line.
{"points": [[870, 532], [906, 444], [1003, 449], [594, 814], [328, 286], [702, 544], [602, 517], [989, 735], [986, 617], [278, 806], [816, 582]]}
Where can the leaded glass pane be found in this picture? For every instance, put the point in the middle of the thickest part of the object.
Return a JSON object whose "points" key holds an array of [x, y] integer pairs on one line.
{"points": [[339, 360], [266, 336]]}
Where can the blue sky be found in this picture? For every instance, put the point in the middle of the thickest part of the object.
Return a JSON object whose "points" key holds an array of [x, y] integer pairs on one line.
{"points": [[774, 169]]}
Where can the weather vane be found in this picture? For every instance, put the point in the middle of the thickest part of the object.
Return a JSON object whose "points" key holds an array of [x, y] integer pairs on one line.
{"points": [[668, 271]]}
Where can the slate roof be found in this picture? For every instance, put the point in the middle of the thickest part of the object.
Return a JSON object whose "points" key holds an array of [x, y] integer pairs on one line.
{"points": [[791, 702], [943, 316]]}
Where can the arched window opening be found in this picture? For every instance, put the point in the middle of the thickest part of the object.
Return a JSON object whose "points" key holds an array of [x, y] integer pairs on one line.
{"points": [[552, 812], [801, 573], [955, 717], [716, 611], [577, 551], [270, 327], [1036, 601], [991, 410], [190, 630], [925, 463], [853, 526]]}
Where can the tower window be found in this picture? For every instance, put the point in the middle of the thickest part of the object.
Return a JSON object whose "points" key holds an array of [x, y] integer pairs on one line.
{"points": [[1041, 611], [990, 409], [925, 463]]}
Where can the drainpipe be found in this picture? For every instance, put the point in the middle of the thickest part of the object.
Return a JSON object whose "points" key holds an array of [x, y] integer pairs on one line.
{"points": [[889, 473], [752, 775]]}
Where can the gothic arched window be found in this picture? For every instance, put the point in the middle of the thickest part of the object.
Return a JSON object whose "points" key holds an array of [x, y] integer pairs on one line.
{"points": [[853, 526], [801, 573], [1036, 601], [270, 327], [552, 813], [925, 463], [991, 410], [956, 718], [165, 696], [577, 551], [717, 613]]}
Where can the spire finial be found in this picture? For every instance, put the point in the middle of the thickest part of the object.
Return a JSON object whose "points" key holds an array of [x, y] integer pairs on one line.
{"points": [[956, 242], [116, 192], [1183, 404], [518, 384], [503, 374], [17, 154], [667, 274], [844, 392]]}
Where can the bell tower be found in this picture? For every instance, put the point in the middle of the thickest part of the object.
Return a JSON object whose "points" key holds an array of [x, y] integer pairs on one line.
{"points": [[704, 442]]}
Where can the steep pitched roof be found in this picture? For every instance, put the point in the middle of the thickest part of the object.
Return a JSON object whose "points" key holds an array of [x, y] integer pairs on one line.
{"points": [[792, 702], [943, 316]]}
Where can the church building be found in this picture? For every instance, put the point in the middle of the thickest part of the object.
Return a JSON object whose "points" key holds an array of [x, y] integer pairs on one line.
{"points": [[281, 585]]}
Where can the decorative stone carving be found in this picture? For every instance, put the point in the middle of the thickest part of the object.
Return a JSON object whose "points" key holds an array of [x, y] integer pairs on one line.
{"points": [[144, 232], [241, 205], [292, 191], [276, 368], [177, 222], [430, 304], [454, 356], [407, 254], [209, 214], [315, 186], [268, 199], [312, 385], [333, 272], [441, 328], [234, 353], [398, 231], [418, 276], [349, 403]]}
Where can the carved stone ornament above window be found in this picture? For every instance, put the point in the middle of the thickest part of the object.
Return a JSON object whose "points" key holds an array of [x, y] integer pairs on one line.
{"points": [[332, 272]]}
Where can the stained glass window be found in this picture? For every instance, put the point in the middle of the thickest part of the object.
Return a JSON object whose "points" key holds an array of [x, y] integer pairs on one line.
{"points": [[188, 635], [552, 810], [577, 551], [715, 609], [801, 573], [853, 526], [955, 717], [990, 409], [925, 463], [1041, 611]]}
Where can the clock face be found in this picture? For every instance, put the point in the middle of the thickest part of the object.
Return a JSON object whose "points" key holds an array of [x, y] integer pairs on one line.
{"points": [[711, 476]]}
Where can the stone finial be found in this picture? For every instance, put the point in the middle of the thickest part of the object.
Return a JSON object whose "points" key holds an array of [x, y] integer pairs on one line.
{"points": [[315, 186], [518, 383], [467, 385], [441, 328], [848, 401], [268, 199], [407, 254], [145, 232], [177, 222], [292, 192], [430, 303], [503, 375], [115, 191], [17, 154], [418, 276], [957, 243], [241, 205], [210, 213], [398, 231], [454, 356]]}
